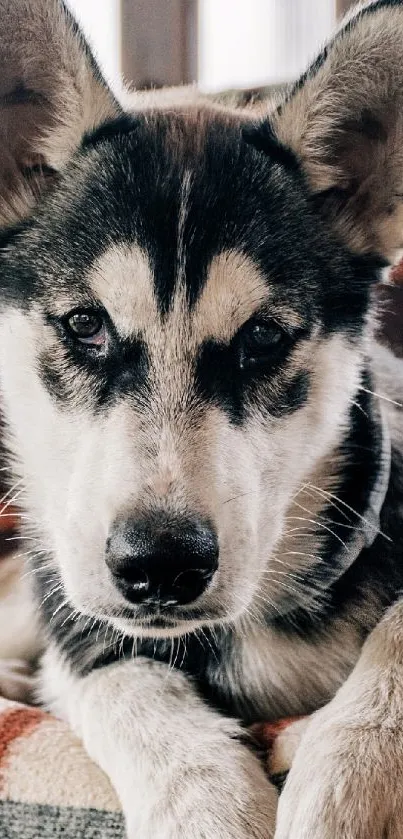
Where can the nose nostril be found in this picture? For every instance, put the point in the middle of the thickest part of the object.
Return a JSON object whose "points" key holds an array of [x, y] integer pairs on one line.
{"points": [[190, 575], [136, 578], [190, 584]]}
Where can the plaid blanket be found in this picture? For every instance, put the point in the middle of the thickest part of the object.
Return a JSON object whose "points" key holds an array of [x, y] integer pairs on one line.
{"points": [[49, 787]]}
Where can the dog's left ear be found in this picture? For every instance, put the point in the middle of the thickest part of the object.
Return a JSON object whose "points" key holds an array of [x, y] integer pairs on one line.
{"points": [[51, 93], [343, 121]]}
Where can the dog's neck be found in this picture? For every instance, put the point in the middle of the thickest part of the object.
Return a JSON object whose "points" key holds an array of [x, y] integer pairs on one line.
{"points": [[334, 516]]}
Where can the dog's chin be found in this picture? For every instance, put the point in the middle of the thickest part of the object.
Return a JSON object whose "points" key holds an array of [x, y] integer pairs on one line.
{"points": [[157, 627]]}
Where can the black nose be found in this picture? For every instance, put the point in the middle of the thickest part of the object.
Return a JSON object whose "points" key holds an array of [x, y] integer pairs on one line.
{"points": [[168, 562]]}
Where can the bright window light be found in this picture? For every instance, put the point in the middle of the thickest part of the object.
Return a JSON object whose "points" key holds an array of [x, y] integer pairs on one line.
{"points": [[254, 42], [100, 22]]}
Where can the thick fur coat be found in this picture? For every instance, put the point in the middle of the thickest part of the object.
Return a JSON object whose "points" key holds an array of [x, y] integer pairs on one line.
{"points": [[204, 432]]}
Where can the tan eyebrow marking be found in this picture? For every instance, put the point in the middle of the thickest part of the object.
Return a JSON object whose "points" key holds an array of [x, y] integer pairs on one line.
{"points": [[235, 289], [122, 279]]}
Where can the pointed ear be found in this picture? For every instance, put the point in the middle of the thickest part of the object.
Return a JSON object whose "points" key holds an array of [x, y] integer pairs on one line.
{"points": [[344, 122], [51, 93]]}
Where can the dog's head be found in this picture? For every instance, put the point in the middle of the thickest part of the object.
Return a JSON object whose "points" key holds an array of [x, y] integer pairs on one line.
{"points": [[184, 310]]}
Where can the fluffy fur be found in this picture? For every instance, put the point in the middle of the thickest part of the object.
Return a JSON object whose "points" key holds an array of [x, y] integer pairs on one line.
{"points": [[230, 257]]}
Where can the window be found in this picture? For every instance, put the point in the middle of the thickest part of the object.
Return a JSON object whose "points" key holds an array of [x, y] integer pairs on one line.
{"points": [[256, 42], [219, 43]]}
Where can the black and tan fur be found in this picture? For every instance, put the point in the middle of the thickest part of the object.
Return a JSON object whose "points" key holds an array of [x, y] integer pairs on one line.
{"points": [[229, 403]]}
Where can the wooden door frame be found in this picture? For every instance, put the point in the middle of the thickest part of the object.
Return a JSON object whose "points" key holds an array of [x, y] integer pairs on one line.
{"points": [[159, 42]]}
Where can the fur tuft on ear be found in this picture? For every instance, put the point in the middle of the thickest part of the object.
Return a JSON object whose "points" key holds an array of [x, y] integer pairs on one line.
{"points": [[344, 122], [51, 93]]}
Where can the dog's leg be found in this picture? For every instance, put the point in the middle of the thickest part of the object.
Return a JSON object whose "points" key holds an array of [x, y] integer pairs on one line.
{"points": [[347, 779], [178, 766]]}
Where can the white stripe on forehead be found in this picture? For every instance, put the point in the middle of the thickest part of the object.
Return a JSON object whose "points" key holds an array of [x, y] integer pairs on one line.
{"points": [[183, 212]]}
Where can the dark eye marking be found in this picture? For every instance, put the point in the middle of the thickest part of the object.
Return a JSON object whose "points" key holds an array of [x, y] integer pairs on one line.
{"points": [[250, 370], [106, 364]]}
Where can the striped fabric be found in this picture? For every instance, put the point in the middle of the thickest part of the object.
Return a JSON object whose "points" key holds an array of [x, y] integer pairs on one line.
{"points": [[48, 784], [40, 821], [49, 787]]}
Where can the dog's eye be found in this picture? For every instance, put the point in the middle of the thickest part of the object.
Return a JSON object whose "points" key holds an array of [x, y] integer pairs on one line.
{"points": [[259, 342], [87, 326]]}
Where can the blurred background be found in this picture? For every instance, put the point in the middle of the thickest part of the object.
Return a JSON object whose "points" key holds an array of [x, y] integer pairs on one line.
{"points": [[217, 43]]}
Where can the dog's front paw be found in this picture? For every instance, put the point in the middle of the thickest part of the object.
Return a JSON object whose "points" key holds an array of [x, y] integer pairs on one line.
{"points": [[346, 783], [228, 797]]}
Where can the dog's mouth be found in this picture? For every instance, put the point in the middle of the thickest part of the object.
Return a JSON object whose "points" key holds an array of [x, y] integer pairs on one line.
{"points": [[158, 621], [162, 624]]}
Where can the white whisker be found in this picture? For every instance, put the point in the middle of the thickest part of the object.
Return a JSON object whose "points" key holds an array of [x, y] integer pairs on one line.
{"points": [[336, 500], [382, 396], [321, 525]]}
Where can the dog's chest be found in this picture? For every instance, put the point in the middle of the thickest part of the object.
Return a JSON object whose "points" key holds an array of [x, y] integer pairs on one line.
{"points": [[268, 675]]}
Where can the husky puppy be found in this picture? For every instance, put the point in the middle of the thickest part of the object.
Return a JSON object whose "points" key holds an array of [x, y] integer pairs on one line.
{"points": [[213, 489]]}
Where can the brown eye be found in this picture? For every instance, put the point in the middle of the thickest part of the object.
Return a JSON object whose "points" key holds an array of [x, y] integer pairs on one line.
{"points": [[259, 342], [87, 326]]}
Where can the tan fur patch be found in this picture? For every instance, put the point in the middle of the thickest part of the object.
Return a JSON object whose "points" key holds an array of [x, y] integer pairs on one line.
{"points": [[234, 290], [122, 280]]}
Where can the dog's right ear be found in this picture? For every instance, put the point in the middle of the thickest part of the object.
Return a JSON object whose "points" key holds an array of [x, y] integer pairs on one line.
{"points": [[51, 93], [342, 123]]}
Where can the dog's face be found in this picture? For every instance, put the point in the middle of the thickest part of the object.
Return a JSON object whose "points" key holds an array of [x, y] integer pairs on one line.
{"points": [[181, 337], [213, 371]]}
